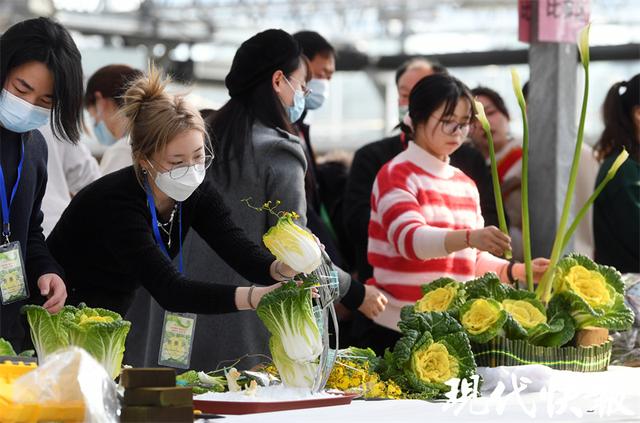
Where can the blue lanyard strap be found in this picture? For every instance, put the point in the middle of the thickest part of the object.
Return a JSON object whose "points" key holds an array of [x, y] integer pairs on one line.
{"points": [[154, 224], [6, 204]]}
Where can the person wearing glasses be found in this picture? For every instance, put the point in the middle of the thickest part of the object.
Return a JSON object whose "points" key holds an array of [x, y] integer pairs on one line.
{"points": [[122, 231], [426, 221]]}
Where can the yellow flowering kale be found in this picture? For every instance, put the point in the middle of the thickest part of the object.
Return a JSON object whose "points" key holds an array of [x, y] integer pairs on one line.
{"points": [[525, 317], [432, 350], [592, 293], [444, 294], [483, 319]]}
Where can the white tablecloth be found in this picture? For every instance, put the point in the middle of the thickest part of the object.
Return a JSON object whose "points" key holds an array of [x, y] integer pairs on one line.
{"points": [[612, 396]]}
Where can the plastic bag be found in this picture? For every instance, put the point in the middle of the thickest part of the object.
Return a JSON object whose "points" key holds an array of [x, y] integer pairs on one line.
{"points": [[68, 376], [626, 345]]}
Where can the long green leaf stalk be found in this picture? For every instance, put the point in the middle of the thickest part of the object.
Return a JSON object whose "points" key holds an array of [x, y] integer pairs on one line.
{"points": [[544, 288], [526, 230], [622, 157], [497, 193]]}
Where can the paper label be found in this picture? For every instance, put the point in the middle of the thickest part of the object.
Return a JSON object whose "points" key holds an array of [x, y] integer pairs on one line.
{"points": [[177, 339], [13, 286]]}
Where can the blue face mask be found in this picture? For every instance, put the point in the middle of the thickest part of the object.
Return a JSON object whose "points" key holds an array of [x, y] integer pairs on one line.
{"points": [[297, 109], [20, 116], [102, 133], [319, 93]]}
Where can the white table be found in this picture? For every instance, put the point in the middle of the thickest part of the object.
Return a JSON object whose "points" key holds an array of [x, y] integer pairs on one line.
{"points": [[612, 396]]}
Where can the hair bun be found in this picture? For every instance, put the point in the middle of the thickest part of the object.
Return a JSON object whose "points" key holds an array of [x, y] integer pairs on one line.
{"points": [[145, 89]]}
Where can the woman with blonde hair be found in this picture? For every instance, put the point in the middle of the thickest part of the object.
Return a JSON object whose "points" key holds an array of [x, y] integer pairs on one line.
{"points": [[122, 231]]}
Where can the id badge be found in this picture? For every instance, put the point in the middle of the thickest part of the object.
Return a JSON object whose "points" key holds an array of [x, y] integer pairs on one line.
{"points": [[178, 330], [13, 283]]}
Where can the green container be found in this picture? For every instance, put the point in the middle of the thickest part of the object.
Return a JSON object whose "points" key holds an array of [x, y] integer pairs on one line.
{"points": [[501, 351]]}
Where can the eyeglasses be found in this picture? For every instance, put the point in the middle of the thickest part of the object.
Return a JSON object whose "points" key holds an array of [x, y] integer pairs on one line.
{"points": [[306, 91], [202, 163], [450, 127]]}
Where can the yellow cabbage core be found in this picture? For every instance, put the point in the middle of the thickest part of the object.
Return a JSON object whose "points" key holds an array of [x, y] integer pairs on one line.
{"points": [[95, 319], [589, 285], [480, 317], [524, 312], [437, 300], [434, 364], [293, 245]]}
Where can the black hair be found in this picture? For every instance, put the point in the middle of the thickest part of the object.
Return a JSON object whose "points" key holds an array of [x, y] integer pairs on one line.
{"points": [[435, 66], [617, 113], [525, 91], [313, 44], [430, 93], [231, 127], [43, 40], [495, 98]]}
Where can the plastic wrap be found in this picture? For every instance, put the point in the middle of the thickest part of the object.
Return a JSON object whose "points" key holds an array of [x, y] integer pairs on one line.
{"points": [[626, 345], [71, 376]]}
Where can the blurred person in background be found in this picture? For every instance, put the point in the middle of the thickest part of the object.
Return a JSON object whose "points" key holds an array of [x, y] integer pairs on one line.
{"points": [[508, 153], [616, 211], [103, 100], [323, 191], [70, 167]]}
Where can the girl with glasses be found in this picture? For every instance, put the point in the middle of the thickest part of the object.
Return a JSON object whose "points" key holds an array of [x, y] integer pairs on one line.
{"points": [[425, 214], [122, 231]]}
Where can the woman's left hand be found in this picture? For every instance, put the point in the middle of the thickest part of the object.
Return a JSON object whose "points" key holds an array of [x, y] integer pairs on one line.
{"points": [[538, 266], [52, 286]]}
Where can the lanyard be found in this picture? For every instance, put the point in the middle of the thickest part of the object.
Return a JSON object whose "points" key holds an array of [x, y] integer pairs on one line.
{"points": [[154, 224], [6, 204]]}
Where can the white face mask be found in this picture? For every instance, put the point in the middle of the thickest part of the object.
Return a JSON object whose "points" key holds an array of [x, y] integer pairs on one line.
{"points": [[179, 188]]}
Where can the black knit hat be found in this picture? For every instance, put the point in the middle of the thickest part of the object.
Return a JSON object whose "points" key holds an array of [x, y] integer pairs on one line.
{"points": [[258, 58]]}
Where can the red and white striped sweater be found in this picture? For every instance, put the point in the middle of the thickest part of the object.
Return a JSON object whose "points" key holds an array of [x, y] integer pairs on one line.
{"points": [[416, 200]]}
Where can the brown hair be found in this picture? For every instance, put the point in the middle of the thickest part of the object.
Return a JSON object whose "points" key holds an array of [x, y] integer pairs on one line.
{"points": [[155, 116], [111, 81]]}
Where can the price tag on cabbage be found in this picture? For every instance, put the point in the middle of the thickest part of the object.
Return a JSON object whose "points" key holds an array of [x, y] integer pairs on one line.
{"points": [[178, 330], [13, 286]]}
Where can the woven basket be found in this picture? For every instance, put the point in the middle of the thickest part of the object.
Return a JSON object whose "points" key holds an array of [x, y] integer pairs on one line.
{"points": [[501, 351]]}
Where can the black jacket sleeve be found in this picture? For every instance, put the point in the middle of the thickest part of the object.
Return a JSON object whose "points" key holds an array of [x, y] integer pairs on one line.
{"points": [[132, 244], [357, 207]]}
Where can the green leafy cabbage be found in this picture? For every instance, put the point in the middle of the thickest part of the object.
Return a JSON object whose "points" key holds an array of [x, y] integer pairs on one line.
{"points": [[296, 342], [6, 348], [432, 350], [102, 333], [48, 331], [444, 294], [593, 293]]}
